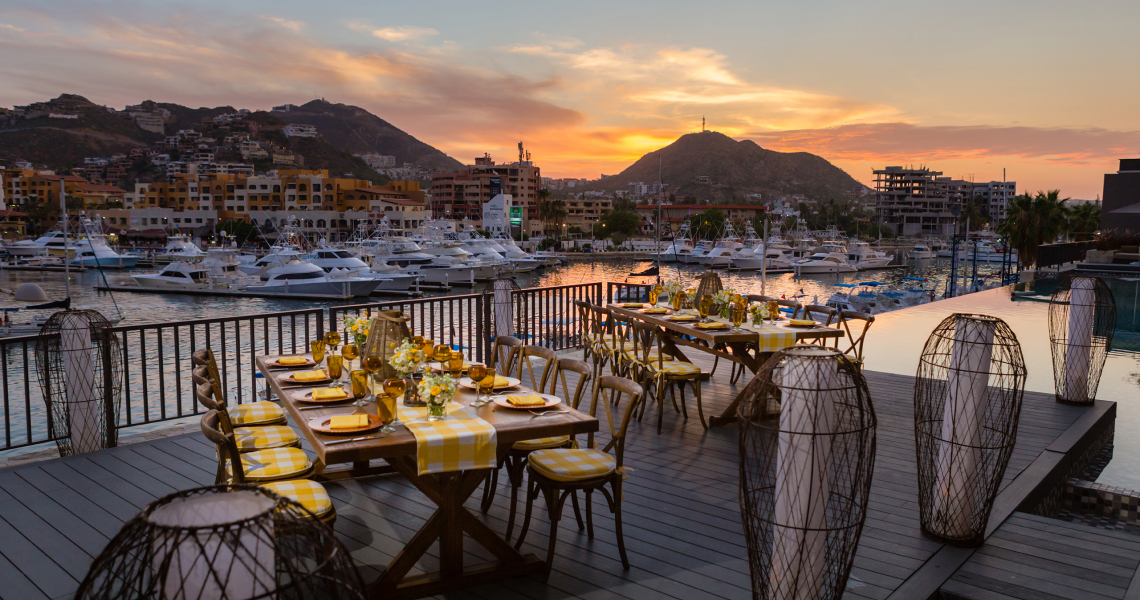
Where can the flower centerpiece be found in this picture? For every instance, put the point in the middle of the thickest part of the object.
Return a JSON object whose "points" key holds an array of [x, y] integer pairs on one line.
{"points": [[358, 328], [437, 391], [759, 313], [407, 358], [722, 301], [671, 288]]}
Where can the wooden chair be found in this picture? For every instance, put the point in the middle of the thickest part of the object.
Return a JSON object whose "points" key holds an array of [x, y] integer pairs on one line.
{"points": [[849, 321], [281, 470], [254, 413], [792, 304], [248, 439], [506, 349], [523, 362], [618, 343], [656, 375], [516, 458], [597, 323], [818, 311], [560, 472]]}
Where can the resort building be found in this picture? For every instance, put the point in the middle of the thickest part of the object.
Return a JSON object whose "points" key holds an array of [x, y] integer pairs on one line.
{"points": [[1121, 208], [461, 195], [299, 130]]}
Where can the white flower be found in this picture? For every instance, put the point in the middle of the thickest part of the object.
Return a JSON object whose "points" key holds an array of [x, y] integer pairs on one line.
{"points": [[437, 389], [407, 359]]}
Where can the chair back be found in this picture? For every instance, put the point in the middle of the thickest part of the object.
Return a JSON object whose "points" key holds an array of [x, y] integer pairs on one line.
{"points": [[855, 324], [818, 311], [647, 349], [386, 327], [710, 285], [523, 360], [505, 352], [585, 374], [616, 386], [205, 358], [792, 304], [204, 394], [226, 447]]}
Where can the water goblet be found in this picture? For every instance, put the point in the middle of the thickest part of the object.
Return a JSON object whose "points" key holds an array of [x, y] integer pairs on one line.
{"points": [[488, 385], [386, 409], [738, 312], [455, 364], [318, 349], [335, 367], [704, 307], [395, 387], [477, 372], [442, 354], [350, 352], [361, 390]]}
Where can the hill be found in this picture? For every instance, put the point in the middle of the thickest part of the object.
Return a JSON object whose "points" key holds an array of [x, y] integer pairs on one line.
{"points": [[733, 169], [358, 131], [61, 143]]}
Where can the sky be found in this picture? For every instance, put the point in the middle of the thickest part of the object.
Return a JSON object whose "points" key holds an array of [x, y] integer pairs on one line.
{"points": [[1044, 89]]}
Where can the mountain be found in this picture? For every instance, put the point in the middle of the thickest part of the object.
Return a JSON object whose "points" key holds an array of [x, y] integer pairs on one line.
{"points": [[354, 129], [64, 142], [733, 169]]}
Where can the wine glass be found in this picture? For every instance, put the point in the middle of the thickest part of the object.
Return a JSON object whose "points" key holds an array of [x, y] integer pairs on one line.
{"points": [[477, 372], [395, 387], [738, 312], [318, 349], [332, 338], [455, 364], [442, 354], [704, 307], [350, 352], [361, 390], [653, 293], [488, 385], [417, 340]]}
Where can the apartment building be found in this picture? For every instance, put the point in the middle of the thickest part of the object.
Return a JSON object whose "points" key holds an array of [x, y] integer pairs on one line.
{"points": [[461, 195], [584, 212], [996, 196], [299, 130], [917, 202]]}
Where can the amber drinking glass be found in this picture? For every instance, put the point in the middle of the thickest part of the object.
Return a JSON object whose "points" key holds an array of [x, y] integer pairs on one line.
{"points": [[332, 338], [488, 385], [704, 307], [773, 310], [417, 340], [442, 353], [318, 349], [395, 388], [455, 364], [350, 352], [477, 372], [361, 390], [677, 300], [738, 313], [386, 409], [335, 370]]}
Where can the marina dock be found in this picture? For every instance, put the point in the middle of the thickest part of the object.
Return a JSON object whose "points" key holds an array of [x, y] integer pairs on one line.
{"points": [[681, 515]]}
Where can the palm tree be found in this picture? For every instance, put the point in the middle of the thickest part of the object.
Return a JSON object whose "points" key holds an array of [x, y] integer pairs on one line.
{"points": [[971, 216], [544, 208], [1033, 220], [1084, 219]]}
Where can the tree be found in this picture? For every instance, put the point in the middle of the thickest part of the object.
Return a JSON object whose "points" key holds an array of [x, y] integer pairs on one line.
{"points": [[707, 224], [623, 222], [971, 216], [242, 231], [1033, 220], [1084, 219]]}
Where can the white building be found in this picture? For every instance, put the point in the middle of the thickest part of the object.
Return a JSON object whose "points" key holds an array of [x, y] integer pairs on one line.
{"points": [[299, 130], [996, 196], [378, 161]]}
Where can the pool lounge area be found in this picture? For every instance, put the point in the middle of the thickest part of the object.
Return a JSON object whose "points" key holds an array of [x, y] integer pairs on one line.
{"points": [[681, 511]]}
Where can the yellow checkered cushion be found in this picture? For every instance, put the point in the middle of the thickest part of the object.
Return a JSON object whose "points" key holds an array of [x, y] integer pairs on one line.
{"points": [[274, 463], [546, 442], [631, 355], [309, 494], [256, 413], [676, 368], [260, 438], [571, 464]]}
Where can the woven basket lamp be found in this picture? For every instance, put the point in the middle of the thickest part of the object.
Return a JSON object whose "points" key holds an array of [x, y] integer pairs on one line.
{"points": [[807, 455], [967, 400], [1082, 320], [81, 375], [223, 543]]}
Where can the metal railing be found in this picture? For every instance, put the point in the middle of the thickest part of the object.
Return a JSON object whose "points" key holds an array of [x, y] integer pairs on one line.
{"points": [[156, 357], [1052, 255], [627, 292]]}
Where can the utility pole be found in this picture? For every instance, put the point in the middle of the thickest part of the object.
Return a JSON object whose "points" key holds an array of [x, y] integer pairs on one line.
{"points": [[660, 193]]}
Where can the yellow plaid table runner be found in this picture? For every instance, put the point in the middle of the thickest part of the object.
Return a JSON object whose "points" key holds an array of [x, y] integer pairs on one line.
{"points": [[770, 338], [461, 442]]}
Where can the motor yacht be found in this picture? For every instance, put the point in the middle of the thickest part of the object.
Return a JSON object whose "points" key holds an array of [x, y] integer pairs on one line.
{"points": [[340, 261], [297, 277], [825, 262], [864, 257], [93, 251], [921, 251], [678, 247], [720, 256], [701, 248], [53, 242], [180, 246]]}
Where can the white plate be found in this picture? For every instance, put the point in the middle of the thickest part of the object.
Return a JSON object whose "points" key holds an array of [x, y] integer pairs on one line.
{"points": [[469, 384], [550, 401]]}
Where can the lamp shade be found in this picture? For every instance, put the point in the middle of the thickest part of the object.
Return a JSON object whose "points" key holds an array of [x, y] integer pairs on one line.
{"points": [[223, 543], [1082, 320]]}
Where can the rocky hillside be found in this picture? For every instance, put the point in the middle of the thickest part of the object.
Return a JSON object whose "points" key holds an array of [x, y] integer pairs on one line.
{"points": [[711, 166]]}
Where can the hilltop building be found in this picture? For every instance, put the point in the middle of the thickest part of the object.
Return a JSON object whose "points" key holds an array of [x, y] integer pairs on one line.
{"points": [[1121, 198]]}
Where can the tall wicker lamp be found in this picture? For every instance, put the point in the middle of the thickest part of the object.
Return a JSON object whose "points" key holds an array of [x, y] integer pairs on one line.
{"points": [[81, 375], [967, 400], [1082, 320], [807, 455], [223, 543]]}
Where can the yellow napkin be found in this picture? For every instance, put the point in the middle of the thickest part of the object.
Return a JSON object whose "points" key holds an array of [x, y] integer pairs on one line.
{"points": [[632, 305], [802, 322], [656, 311], [329, 393], [527, 400], [292, 360], [501, 382], [317, 375], [682, 318], [348, 422], [713, 325]]}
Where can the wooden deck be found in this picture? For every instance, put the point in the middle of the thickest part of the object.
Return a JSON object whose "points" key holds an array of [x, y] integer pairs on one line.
{"points": [[682, 521]]}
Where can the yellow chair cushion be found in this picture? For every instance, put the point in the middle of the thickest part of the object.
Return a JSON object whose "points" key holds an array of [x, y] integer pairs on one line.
{"points": [[309, 494], [274, 463], [676, 368], [540, 443], [249, 439], [256, 413], [571, 464], [631, 355]]}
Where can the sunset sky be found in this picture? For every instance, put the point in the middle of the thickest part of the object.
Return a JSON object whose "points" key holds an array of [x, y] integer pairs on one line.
{"points": [[1046, 89]]}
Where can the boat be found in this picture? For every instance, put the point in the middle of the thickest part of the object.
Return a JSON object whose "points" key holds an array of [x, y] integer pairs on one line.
{"points": [[921, 251], [298, 277], [840, 300], [825, 262], [864, 257], [53, 242], [679, 247], [180, 246], [93, 251], [702, 248], [336, 260], [720, 256]]}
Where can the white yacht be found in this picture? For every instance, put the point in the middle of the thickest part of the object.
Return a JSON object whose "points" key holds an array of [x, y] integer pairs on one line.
{"points": [[53, 242], [93, 251], [298, 277], [180, 246], [678, 247], [702, 248], [339, 261], [825, 262], [720, 256], [921, 251], [864, 257]]}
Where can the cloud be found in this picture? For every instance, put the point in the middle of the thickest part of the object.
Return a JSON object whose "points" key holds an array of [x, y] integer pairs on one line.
{"points": [[290, 25], [403, 33]]}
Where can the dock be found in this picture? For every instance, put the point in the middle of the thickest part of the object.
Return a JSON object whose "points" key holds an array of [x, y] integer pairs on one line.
{"points": [[135, 289], [49, 268], [681, 513]]}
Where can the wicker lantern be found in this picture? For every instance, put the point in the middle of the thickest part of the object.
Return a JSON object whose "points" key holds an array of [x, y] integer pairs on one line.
{"points": [[967, 400], [1082, 319], [81, 376], [223, 543], [387, 327], [807, 454]]}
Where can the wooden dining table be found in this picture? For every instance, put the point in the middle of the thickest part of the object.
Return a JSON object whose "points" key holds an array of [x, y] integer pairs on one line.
{"points": [[740, 347], [448, 491]]}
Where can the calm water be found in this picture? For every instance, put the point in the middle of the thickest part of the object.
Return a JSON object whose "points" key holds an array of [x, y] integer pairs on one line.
{"points": [[895, 342]]}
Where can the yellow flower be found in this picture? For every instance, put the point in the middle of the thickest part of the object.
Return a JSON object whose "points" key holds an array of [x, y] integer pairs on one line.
{"points": [[392, 344], [435, 390]]}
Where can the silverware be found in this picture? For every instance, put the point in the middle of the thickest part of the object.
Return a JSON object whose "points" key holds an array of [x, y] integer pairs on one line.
{"points": [[359, 439], [326, 406]]}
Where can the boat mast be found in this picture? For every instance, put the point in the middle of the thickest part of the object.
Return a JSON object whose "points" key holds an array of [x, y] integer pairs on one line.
{"points": [[66, 263], [660, 193]]}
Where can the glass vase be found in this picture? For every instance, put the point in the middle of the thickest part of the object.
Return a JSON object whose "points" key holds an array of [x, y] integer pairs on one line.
{"points": [[412, 393], [437, 412]]}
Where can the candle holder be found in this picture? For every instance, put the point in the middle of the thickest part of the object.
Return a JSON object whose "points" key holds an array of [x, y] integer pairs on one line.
{"points": [[807, 455], [1082, 320], [967, 400]]}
